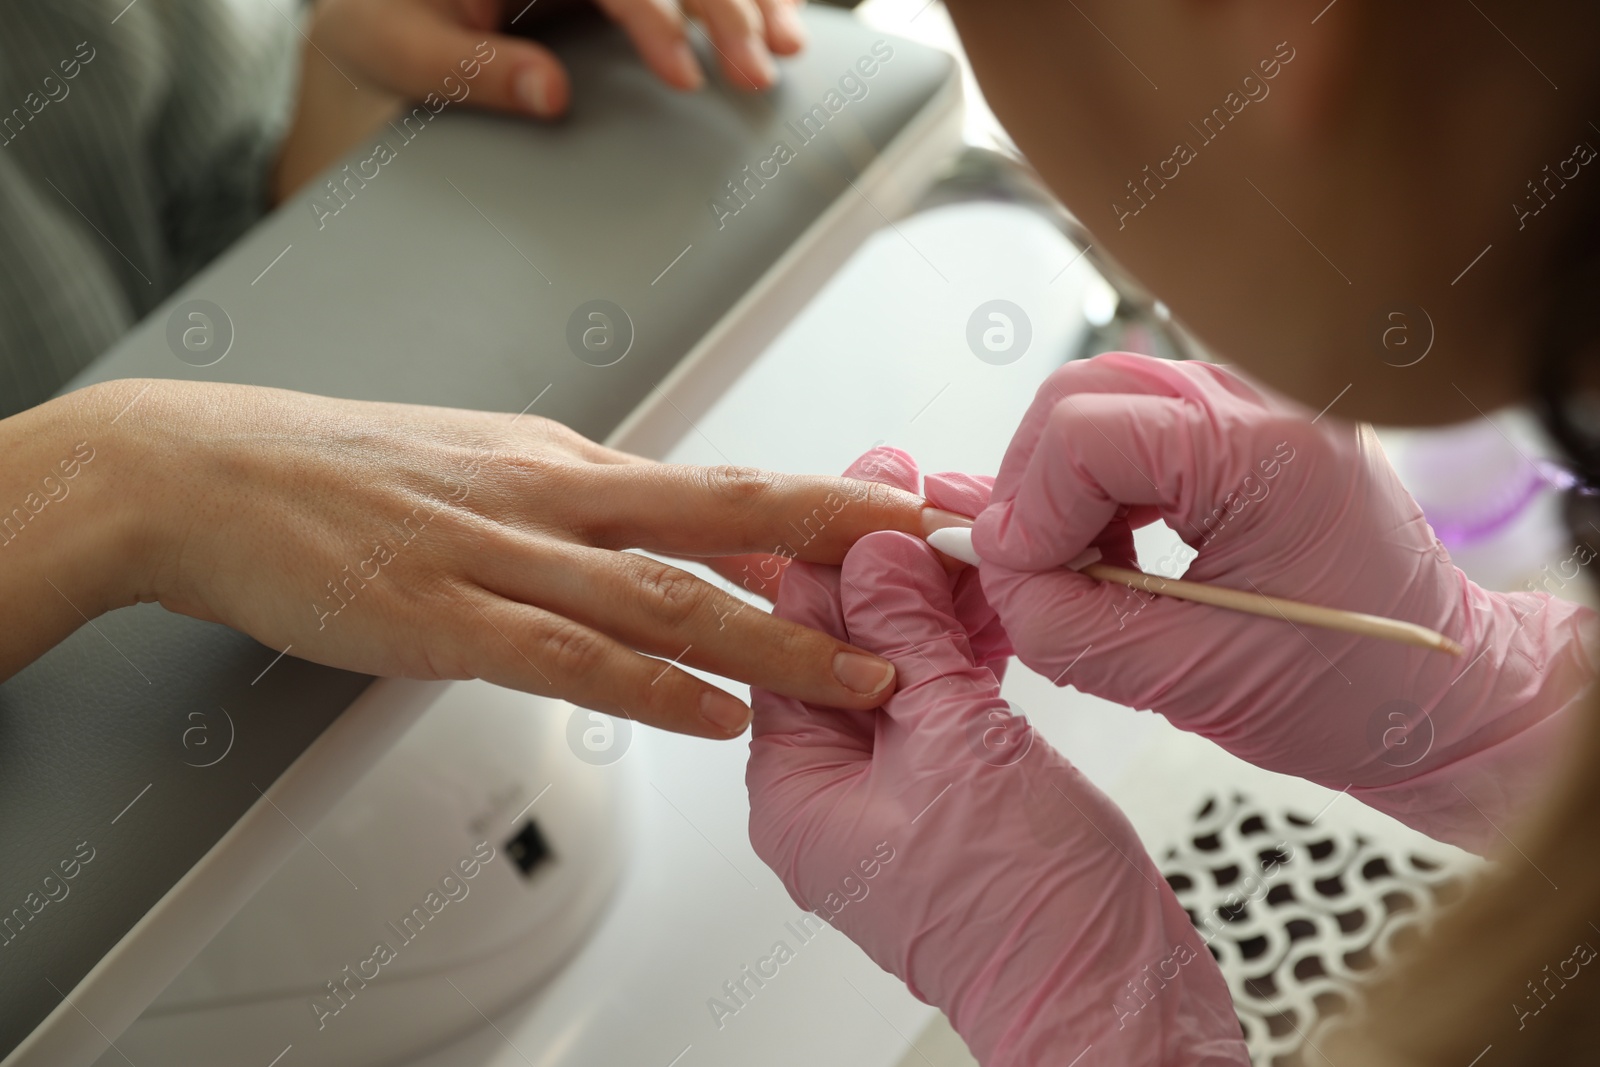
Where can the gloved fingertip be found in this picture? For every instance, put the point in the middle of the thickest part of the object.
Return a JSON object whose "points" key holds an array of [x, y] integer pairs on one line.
{"points": [[888, 575], [886, 465], [889, 556], [964, 494], [994, 534], [1002, 537], [897, 604]]}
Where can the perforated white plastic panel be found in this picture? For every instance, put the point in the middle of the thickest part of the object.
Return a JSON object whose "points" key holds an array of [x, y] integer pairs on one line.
{"points": [[1296, 914]]}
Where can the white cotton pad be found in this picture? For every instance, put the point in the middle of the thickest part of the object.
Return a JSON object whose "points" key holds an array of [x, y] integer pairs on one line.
{"points": [[956, 542]]}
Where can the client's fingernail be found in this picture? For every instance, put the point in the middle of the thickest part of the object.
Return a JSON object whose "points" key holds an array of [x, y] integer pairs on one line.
{"points": [[786, 24], [862, 674], [752, 60], [533, 91], [938, 519], [726, 713], [686, 66]]}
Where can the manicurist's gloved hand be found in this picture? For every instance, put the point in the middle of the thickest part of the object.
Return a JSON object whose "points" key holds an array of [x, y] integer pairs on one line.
{"points": [[960, 853], [1276, 503]]}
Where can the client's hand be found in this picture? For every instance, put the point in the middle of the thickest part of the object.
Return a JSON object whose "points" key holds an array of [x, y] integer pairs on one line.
{"points": [[1275, 502], [363, 57], [961, 854], [409, 47], [429, 542]]}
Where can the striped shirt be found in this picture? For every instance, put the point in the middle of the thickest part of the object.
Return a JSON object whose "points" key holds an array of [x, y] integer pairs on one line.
{"points": [[136, 142]]}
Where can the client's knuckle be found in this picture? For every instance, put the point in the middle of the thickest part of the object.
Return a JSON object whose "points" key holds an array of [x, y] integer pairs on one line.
{"points": [[570, 650], [744, 486], [672, 596]]}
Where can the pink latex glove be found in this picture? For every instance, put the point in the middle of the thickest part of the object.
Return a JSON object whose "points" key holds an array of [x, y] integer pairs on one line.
{"points": [[1278, 504], [962, 854]]}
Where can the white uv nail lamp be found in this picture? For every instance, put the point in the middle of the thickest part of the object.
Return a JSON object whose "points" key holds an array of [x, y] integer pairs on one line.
{"points": [[292, 865]]}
